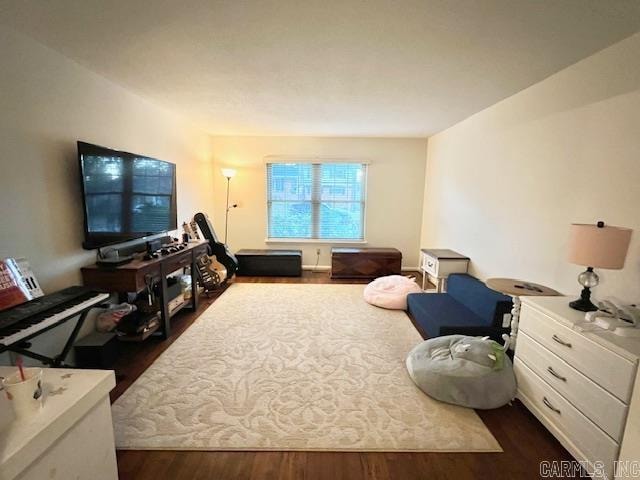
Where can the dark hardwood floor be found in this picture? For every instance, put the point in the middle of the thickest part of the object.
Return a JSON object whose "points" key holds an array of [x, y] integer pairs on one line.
{"points": [[524, 440]]}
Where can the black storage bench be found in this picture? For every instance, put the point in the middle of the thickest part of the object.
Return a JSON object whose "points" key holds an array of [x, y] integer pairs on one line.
{"points": [[276, 263]]}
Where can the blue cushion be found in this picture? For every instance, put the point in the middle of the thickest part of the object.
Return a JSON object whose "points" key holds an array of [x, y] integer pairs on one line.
{"points": [[435, 310], [475, 295]]}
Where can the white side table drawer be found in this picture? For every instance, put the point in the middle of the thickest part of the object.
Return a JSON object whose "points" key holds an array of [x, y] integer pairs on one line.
{"points": [[609, 370], [430, 265], [593, 401]]}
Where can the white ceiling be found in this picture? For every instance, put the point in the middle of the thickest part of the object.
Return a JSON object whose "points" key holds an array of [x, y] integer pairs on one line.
{"points": [[352, 68]]}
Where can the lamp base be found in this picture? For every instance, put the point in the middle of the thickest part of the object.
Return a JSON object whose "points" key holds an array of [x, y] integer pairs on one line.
{"points": [[584, 303]]}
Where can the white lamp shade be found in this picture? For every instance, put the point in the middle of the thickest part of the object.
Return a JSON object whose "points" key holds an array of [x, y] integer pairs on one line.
{"points": [[228, 172], [600, 247]]}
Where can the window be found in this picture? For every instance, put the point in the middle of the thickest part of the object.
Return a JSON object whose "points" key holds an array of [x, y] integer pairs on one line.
{"points": [[318, 201]]}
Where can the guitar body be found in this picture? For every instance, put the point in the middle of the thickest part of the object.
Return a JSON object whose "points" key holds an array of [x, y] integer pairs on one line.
{"points": [[218, 267], [219, 249], [209, 276], [211, 272]]}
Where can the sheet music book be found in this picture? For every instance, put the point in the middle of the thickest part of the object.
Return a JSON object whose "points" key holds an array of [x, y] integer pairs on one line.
{"points": [[18, 284]]}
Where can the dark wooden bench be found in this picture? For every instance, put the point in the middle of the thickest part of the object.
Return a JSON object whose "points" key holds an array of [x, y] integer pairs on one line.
{"points": [[365, 262]]}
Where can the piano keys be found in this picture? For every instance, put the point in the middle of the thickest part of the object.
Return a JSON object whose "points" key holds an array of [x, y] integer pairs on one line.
{"points": [[25, 321]]}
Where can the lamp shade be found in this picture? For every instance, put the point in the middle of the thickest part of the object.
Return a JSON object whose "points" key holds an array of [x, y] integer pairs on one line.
{"points": [[598, 246], [228, 172]]}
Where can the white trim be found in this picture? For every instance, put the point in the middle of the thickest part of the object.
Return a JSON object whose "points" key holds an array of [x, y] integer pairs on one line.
{"points": [[312, 159], [323, 241], [410, 269]]}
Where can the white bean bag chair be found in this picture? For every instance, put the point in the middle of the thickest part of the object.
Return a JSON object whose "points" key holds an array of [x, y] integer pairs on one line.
{"points": [[390, 292]]}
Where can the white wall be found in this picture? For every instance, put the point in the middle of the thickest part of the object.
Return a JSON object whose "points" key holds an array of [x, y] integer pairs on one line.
{"points": [[47, 102], [504, 185], [395, 189]]}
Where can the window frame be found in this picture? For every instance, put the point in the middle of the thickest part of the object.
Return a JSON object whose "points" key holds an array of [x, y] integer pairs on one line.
{"points": [[316, 201]]}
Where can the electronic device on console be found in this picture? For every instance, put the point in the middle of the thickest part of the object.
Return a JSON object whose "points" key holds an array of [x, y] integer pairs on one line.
{"points": [[113, 260], [154, 245]]}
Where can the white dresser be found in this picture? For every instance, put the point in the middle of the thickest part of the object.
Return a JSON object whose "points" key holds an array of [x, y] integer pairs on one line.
{"points": [[578, 383], [440, 263]]}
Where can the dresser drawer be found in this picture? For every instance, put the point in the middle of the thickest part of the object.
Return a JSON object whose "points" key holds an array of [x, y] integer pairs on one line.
{"points": [[593, 401], [586, 439], [604, 367]]}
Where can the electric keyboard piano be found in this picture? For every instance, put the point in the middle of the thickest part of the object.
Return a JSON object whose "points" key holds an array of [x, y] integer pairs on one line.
{"points": [[25, 321]]}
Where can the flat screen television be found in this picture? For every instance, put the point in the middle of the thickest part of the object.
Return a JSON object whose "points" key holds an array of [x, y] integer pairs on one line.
{"points": [[125, 196]]}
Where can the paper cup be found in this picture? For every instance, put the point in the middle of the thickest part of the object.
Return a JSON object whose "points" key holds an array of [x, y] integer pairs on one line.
{"points": [[24, 395]]}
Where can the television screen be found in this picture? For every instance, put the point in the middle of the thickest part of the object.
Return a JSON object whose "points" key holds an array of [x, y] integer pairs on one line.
{"points": [[126, 196]]}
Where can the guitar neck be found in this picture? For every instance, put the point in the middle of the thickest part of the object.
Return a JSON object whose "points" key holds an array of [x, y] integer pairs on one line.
{"points": [[194, 229]]}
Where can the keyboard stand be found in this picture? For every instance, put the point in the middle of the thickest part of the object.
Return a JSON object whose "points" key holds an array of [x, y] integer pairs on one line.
{"points": [[58, 360]]}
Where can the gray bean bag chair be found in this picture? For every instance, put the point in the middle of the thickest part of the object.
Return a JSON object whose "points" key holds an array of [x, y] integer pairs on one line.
{"points": [[472, 372]]}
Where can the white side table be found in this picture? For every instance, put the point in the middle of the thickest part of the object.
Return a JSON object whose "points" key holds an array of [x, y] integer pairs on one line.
{"points": [[516, 289], [71, 437], [440, 263]]}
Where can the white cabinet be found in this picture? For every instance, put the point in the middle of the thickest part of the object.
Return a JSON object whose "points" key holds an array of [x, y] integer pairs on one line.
{"points": [[71, 436], [440, 263], [578, 383]]}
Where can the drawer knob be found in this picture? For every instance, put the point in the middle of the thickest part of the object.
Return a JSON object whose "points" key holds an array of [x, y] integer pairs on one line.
{"points": [[560, 341], [549, 406], [556, 374]]}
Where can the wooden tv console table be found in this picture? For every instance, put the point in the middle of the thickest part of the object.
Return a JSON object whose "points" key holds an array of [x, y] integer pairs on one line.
{"points": [[131, 277]]}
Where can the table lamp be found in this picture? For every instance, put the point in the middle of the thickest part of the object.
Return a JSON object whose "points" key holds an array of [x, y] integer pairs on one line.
{"points": [[596, 246]]}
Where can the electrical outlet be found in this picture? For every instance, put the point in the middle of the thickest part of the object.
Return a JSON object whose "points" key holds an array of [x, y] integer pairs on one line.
{"points": [[317, 251]]}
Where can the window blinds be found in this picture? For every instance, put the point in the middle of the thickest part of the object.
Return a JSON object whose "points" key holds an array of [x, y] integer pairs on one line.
{"points": [[324, 201]]}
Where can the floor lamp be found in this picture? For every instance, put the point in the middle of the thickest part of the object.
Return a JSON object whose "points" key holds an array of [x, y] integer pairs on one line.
{"points": [[228, 173]]}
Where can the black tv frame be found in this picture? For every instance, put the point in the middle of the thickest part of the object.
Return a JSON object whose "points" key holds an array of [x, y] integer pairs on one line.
{"points": [[93, 240]]}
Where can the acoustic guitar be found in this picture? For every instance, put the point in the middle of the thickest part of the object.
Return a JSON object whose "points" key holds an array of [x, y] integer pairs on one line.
{"points": [[212, 273], [219, 249]]}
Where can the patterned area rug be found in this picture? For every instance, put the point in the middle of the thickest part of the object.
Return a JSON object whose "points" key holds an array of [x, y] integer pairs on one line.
{"points": [[292, 367]]}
